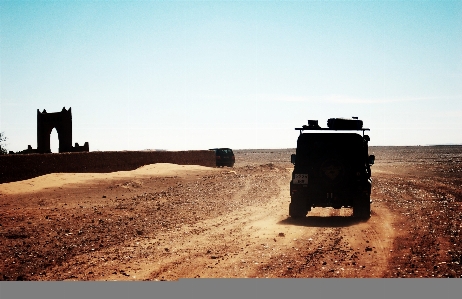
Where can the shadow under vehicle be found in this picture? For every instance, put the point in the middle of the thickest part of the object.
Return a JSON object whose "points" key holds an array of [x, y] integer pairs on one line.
{"points": [[331, 168], [224, 157]]}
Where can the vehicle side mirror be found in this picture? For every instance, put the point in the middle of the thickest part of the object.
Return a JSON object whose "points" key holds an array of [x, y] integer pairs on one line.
{"points": [[292, 158], [371, 159]]}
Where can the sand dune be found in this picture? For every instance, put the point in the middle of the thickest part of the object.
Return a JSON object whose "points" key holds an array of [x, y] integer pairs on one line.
{"points": [[55, 180]]}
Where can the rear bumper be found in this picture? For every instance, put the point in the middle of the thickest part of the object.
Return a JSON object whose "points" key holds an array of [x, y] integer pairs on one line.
{"points": [[332, 197], [230, 164]]}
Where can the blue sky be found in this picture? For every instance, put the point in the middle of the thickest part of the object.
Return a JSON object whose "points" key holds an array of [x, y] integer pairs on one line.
{"points": [[182, 75]]}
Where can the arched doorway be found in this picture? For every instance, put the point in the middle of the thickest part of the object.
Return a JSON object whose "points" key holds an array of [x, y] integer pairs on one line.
{"points": [[61, 122], [54, 141]]}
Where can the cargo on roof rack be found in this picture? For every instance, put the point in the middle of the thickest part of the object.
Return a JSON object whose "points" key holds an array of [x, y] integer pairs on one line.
{"points": [[336, 124], [345, 123]]}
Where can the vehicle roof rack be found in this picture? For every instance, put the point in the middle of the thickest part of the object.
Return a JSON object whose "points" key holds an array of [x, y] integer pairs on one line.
{"points": [[314, 126], [307, 128]]}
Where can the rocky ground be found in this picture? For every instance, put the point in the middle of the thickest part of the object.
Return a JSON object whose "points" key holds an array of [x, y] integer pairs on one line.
{"points": [[167, 222]]}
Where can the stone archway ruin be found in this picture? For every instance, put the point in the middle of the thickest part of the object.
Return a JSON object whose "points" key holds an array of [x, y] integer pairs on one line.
{"points": [[62, 122]]}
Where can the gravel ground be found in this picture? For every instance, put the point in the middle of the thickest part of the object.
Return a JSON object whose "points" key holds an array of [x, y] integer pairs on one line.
{"points": [[233, 222]]}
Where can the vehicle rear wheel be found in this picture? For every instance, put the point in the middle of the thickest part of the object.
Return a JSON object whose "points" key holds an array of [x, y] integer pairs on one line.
{"points": [[362, 209], [297, 208]]}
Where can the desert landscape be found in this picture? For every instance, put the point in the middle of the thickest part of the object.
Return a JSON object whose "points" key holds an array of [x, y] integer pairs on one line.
{"points": [[166, 221]]}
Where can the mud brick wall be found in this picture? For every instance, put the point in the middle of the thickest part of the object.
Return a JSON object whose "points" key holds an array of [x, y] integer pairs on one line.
{"points": [[22, 167]]}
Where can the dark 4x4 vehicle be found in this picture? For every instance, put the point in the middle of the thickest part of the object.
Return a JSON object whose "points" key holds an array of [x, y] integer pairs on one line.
{"points": [[331, 168], [225, 156]]}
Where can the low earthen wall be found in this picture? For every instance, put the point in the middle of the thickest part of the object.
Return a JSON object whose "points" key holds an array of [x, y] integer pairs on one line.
{"points": [[22, 167]]}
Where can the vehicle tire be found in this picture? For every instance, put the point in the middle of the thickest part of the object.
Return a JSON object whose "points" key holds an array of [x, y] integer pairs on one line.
{"points": [[362, 209], [297, 209]]}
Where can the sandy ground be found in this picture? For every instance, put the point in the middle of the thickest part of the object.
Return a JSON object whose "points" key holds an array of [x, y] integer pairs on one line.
{"points": [[166, 221], [58, 180]]}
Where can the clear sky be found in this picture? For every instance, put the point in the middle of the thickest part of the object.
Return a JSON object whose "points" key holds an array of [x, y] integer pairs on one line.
{"points": [[182, 75]]}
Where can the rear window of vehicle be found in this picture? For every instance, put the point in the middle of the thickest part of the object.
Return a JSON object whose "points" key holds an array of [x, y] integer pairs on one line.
{"points": [[225, 151]]}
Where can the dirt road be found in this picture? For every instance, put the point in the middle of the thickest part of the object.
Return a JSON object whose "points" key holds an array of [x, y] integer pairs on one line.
{"points": [[165, 222]]}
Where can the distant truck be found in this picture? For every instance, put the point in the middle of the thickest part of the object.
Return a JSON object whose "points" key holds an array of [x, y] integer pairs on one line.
{"points": [[331, 168]]}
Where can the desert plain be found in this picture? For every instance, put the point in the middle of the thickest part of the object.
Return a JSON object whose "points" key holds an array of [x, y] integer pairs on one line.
{"points": [[166, 222]]}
